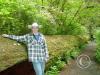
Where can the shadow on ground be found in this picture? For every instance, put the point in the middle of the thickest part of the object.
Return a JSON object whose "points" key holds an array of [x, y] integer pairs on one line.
{"points": [[21, 68]]}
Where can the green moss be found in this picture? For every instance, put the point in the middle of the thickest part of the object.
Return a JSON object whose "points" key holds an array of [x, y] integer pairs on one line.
{"points": [[11, 52]]}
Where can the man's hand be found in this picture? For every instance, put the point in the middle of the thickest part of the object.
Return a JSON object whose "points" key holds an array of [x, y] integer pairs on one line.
{"points": [[47, 59], [5, 35]]}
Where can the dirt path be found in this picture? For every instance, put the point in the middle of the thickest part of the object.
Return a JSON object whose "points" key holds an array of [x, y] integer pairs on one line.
{"points": [[74, 69]]}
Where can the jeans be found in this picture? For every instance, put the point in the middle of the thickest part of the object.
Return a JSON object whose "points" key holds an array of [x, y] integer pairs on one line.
{"points": [[39, 67]]}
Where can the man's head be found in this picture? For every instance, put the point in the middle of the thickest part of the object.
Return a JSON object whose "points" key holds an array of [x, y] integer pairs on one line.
{"points": [[34, 27]]}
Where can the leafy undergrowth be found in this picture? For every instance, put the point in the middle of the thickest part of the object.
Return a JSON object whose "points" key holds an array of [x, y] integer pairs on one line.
{"points": [[97, 54], [62, 48]]}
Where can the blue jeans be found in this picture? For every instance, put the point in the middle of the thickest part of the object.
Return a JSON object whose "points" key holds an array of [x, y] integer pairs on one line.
{"points": [[39, 67]]}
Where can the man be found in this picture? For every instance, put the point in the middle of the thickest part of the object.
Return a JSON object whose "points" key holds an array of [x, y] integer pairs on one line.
{"points": [[37, 47]]}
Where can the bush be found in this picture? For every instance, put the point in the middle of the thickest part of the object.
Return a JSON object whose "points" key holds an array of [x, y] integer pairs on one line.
{"points": [[67, 49], [53, 71], [82, 41], [58, 66], [97, 55], [16, 15]]}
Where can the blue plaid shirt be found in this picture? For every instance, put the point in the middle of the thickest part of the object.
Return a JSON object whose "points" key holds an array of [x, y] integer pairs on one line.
{"points": [[37, 49]]}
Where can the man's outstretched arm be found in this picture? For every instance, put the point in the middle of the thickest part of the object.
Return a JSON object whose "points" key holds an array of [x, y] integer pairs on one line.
{"points": [[17, 38]]}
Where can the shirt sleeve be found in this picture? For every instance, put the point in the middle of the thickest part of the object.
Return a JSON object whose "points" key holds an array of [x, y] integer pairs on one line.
{"points": [[46, 48], [22, 38]]}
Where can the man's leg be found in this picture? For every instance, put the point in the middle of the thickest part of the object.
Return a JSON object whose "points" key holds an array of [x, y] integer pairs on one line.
{"points": [[43, 67], [37, 68]]}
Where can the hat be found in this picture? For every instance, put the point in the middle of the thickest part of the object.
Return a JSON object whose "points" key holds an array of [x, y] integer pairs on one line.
{"points": [[34, 25]]}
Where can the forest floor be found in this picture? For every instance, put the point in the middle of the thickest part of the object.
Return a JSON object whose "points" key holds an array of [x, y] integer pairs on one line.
{"points": [[93, 68]]}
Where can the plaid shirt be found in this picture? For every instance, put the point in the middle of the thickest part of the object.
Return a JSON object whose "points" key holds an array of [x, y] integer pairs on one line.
{"points": [[37, 49]]}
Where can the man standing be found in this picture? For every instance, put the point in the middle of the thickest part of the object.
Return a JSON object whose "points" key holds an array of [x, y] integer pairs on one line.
{"points": [[37, 48]]}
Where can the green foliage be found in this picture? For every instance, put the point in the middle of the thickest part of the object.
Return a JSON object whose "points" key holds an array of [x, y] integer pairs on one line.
{"points": [[70, 54], [75, 52], [15, 16], [98, 45], [98, 54], [82, 41], [60, 61], [56, 16], [97, 35], [58, 66], [68, 48], [53, 71]]}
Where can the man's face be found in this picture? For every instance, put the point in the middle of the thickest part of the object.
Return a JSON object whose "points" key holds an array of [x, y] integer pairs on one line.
{"points": [[35, 29]]}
